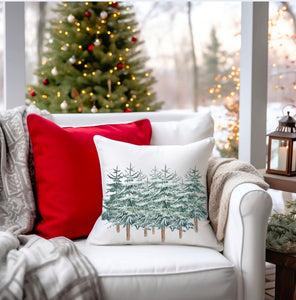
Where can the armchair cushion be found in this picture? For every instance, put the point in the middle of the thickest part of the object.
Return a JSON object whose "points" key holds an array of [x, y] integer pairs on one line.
{"points": [[166, 272]]}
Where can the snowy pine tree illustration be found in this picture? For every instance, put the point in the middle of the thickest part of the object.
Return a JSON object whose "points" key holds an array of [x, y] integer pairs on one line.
{"points": [[111, 204], [161, 199], [196, 196]]}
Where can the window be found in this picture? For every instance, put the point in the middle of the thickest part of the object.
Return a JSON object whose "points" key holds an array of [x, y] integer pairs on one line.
{"points": [[281, 77], [193, 53], [282, 62]]}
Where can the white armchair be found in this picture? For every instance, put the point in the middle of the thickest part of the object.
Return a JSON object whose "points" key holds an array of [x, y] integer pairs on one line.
{"points": [[185, 272]]}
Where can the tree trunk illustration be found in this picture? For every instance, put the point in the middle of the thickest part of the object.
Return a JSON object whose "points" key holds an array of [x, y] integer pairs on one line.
{"points": [[163, 234], [196, 224], [145, 231], [180, 232], [153, 230], [128, 232], [117, 228]]}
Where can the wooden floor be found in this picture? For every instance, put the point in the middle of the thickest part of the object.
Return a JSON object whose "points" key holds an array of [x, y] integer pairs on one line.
{"points": [[269, 281]]}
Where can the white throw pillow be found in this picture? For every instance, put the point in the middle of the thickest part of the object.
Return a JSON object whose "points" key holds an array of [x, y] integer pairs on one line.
{"points": [[182, 132], [154, 194]]}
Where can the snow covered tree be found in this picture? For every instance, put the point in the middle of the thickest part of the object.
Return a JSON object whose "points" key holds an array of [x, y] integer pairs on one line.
{"points": [[130, 198], [196, 196], [93, 63], [114, 189]]}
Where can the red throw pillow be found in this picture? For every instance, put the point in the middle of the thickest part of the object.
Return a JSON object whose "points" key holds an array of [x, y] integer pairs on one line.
{"points": [[67, 172]]}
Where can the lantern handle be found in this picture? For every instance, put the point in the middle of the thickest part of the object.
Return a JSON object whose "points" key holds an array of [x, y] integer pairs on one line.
{"points": [[286, 109]]}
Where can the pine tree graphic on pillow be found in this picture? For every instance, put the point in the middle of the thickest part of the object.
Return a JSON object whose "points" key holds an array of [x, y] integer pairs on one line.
{"points": [[160, 199]]}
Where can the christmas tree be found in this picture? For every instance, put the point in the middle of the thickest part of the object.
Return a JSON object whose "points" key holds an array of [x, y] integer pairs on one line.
{"points": [[93, 62], [227, 89]]}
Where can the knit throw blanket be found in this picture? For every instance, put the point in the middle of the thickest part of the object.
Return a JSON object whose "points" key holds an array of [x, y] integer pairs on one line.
{"points": [[224, 174], [32, 267]]}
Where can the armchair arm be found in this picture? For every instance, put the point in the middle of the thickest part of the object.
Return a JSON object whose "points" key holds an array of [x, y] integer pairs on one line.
{"points": [[244, 243]]}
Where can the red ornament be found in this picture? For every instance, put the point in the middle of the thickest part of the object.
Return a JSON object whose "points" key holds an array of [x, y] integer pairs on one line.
{"points": [[115, 4], [87, 14], [127, 110], [119, 65], [90, 47], [134, 39], [33, 93], [45, 81]]}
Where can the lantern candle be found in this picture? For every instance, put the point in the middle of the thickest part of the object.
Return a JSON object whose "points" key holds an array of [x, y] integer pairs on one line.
{"points": [[283, 150]]}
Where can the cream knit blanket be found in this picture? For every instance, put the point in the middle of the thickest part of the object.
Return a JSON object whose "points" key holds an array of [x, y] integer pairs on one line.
{"points": [[224, 174]]}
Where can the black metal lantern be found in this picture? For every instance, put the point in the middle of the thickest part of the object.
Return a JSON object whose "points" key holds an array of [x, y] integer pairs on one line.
{"points": [[282, 148]]}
